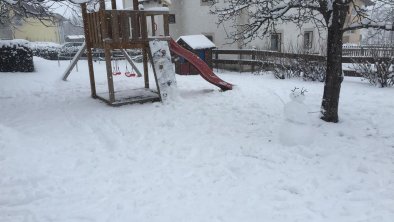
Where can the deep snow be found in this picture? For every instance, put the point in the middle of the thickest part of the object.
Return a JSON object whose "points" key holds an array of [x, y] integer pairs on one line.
{"points": [[207, 156]]}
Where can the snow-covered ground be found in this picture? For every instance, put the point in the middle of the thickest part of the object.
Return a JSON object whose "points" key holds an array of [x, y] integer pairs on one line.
{"points": [[206, 156]]}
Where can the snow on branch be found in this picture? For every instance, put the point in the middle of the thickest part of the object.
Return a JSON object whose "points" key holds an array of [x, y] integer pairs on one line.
{"points": [[250, 19], [264, 15], [12, 11]]}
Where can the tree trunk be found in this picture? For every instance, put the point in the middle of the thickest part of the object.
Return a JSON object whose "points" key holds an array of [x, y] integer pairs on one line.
{"points": [[334, 76]]}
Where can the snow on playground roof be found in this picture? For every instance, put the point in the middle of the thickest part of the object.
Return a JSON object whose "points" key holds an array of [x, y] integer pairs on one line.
{"points": [[197, 41], [75, 36], [161, 9]]}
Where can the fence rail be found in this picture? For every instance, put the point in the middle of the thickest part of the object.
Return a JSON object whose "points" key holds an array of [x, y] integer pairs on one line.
{"points": [[261, 58], [369, 51]]}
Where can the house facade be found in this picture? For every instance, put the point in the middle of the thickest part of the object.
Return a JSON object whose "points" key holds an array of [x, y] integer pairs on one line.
{"points": [[191, 17], [5, 32], [54, 30], [355, 37], [35, 30]]}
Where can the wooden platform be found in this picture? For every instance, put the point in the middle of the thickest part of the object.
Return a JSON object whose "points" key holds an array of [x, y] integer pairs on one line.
{"points": [[132, 96]]}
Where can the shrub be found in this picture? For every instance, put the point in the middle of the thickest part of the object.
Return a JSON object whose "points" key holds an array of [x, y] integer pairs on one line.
{"points": [[46, 50], [285, 68], [16, 56], [380, 73], [300, 67], [313, 71]]}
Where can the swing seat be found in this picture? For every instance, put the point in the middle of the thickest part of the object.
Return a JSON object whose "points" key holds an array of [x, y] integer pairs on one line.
{"points": [[129, 74], [116, 73]]}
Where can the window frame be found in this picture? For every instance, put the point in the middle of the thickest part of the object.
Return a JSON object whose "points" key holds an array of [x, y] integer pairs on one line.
{"points": [[278, 40], [309, 44], [171, 18]]}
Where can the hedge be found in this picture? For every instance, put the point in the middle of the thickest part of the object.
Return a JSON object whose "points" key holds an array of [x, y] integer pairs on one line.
{"points": [[16, 56], [46, 50]]}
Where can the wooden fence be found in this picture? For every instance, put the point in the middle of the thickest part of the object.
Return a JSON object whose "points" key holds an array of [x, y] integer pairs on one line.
{"points": [[262, 58], [369, 51]]}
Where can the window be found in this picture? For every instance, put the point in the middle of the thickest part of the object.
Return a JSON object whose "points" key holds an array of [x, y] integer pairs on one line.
{"points": [[276, 42], [308, 39], [171, 19]]}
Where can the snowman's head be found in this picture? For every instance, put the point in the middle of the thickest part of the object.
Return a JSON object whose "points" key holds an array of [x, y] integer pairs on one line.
{"points": [[298, 95]]}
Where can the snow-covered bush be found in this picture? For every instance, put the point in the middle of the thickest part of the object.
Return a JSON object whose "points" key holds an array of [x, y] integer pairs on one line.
{"points": [[313, 71], [16, 56], [285, 68], [46, 50], [300, 67], [380, 73]]}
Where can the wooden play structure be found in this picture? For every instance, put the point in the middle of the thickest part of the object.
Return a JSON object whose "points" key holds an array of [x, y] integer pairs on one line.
{"points": [[120, 30]]}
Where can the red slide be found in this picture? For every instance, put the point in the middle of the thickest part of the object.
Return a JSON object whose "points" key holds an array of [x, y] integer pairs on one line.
{"points": [[204, 69]]}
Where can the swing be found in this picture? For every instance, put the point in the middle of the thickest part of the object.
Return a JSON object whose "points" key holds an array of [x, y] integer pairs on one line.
{"points": [[115, 68], [130, 74]]}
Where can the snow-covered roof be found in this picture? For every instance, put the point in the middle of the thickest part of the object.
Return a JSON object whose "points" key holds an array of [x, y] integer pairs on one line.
{"points": [[75, 36], [160, 9], [197, 41]]}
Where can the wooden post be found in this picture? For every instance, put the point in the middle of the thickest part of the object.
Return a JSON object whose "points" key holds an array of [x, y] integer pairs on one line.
{"points": [[135, 5], [113, 4], [102, 4], [166, 25], [239, 63], [152, 18], [110, 80], [144, 28], [115, 26], [145, 61], [89, 50], [137, 19], [254, 59], [104, 25], [217, 58]]}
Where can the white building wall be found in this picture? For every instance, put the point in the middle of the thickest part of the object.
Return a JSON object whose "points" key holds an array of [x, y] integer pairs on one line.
{"points": [[196, 19], [293, 39], [193, 17]]}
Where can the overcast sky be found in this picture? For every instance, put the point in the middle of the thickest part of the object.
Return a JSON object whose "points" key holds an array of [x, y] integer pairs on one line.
{"points": [[66, 12]]}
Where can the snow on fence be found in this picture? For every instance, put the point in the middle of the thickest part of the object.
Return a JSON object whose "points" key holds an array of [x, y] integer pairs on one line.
{"points": [[263, 58], [368, 51]]}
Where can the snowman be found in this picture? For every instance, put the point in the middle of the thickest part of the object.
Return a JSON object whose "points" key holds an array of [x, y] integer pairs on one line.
{"points": [[296, 128]]}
